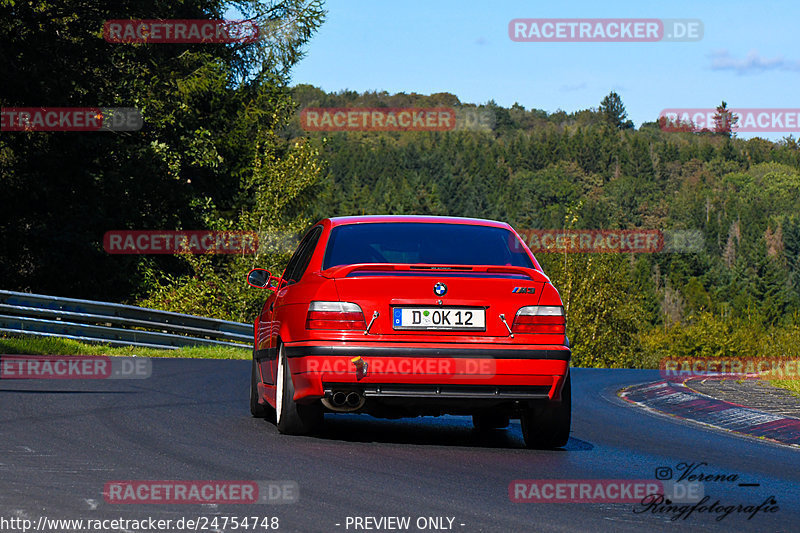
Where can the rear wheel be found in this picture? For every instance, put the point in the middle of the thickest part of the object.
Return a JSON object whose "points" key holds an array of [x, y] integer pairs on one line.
{"points": [[293, 418], [489, 421], [547, 426], [258, 410]]}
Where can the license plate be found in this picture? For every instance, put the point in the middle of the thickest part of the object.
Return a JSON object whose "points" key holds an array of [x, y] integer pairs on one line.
{"points": [[441, 318]]}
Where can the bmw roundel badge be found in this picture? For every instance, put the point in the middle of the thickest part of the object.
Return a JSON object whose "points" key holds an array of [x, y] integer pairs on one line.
{"points": [[440, 289]]}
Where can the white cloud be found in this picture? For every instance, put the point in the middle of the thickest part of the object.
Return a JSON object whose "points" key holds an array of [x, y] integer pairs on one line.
{"points": [[752, 63], [571, 88]]}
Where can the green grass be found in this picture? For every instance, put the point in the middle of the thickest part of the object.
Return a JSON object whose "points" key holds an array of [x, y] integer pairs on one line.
{"points": [[33, 345], [792, 385]]}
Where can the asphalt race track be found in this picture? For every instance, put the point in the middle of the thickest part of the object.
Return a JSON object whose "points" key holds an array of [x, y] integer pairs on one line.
{"points": [[62, 441]]}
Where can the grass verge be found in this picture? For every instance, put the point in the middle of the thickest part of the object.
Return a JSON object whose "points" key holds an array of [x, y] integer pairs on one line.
{"points": [[33, 345], [791, 385]]}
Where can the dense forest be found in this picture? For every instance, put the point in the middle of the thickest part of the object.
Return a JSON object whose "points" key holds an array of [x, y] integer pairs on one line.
{"points": [[207, 156], [222, 148], [592, 170]]}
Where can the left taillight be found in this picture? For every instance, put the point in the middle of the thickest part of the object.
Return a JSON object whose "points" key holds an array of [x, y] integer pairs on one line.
{"points": [[335, 315], [541, 319]]}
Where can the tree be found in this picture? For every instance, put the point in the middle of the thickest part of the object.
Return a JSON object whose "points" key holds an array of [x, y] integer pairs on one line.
{"points": [[210, 113], [724, 120], [614, 111]]}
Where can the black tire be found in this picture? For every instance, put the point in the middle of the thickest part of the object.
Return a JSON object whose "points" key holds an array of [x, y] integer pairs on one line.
{"points": [[489, 421], [547, 426], [293, 418], [258, 410]]}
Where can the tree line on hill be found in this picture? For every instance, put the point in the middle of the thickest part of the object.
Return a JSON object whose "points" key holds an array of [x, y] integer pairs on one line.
{"points": [[222, 148], [592, 170]]}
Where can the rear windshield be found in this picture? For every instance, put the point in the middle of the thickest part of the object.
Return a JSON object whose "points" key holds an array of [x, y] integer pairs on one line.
{"points": [[414, 242]]}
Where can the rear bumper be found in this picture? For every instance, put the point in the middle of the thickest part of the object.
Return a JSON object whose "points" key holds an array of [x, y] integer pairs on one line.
{"points": [[431, 371]]}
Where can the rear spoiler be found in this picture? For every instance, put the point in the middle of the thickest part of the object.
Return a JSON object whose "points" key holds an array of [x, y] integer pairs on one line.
{"points": [[345, 270]]}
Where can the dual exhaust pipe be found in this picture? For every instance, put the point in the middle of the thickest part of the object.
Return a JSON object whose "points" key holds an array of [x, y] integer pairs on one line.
{"points": [[344, 401]]}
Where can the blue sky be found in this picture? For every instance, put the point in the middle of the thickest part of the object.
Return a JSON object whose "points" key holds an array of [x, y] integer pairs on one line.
{"points": [[749, 55]]}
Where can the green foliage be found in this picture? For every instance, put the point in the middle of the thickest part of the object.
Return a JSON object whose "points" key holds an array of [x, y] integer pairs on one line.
{"points": [[221, 148], [614, 111], [208, 155], [536, 170], [711, 336], [603, 313], [216, 287]]}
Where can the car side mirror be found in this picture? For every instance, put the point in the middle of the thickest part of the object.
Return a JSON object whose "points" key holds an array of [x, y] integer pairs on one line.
{"points": [[260, 278]]}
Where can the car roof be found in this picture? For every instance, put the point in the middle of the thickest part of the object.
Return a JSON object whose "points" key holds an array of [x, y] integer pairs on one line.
{"points": [[426, 219]]}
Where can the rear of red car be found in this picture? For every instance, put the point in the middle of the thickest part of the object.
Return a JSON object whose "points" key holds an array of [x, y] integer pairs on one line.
{"points": [[410, 316]]}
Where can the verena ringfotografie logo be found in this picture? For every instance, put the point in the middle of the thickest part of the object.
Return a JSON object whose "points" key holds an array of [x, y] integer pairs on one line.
{"points": [[729, 368], [70, 119], [624, 30], [396, 119], [180, 31], [612, 241], [174, 242], [741, 120], [74, 367], [694, 477], [201, 492]]}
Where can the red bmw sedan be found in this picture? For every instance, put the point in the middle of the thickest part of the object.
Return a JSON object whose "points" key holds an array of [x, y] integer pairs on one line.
{"points": [[404, 316]]}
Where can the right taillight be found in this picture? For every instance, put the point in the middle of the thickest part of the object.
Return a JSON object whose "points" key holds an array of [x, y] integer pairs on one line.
{"points": [[335, 315], [541, 319]]}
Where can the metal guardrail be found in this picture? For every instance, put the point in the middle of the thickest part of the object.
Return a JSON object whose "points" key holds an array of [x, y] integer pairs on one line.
{"points": [[115, 324]]}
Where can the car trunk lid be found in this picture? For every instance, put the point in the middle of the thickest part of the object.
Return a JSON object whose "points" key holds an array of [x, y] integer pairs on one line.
{"points": [[444, 301]]}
